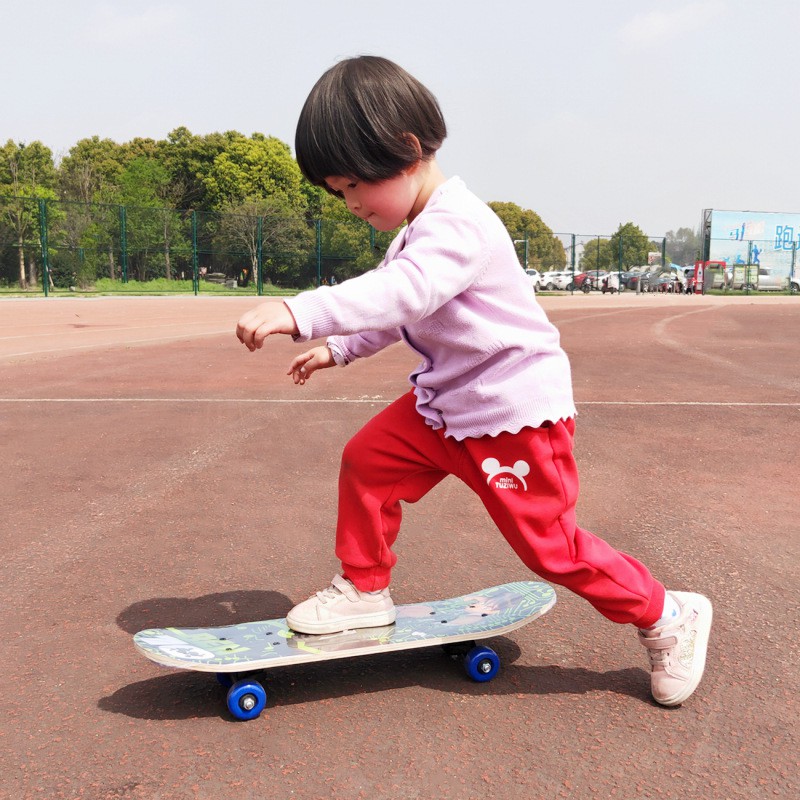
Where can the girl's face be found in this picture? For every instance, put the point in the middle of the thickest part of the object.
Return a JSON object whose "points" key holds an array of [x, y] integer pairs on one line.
{"points": [[385, 205]]}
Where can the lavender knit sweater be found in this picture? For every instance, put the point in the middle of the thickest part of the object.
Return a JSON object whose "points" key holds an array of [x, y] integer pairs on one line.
{"points": [[450, 286]]}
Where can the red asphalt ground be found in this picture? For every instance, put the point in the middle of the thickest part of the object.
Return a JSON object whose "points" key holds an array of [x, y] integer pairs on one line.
{"points": [[156, 473]]}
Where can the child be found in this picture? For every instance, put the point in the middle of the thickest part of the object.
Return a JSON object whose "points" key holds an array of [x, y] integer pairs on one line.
{"points": [[492, 398]]}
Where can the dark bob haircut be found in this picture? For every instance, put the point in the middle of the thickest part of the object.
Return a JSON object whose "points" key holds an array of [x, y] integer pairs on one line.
{"points": [[356, 120]]}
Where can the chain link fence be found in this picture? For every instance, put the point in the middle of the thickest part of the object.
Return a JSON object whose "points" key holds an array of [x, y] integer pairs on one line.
{"points": [[68, 246], [59, 246], [748, 265]]}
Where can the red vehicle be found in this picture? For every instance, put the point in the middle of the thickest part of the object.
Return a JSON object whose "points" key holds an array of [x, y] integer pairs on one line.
{"points": [[708, 275]]}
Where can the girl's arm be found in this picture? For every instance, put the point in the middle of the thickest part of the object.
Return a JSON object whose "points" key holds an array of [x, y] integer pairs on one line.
{"points": [[442, 256]]}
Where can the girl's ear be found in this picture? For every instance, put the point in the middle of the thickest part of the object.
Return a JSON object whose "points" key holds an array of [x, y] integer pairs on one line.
{"points": [[413, 141]]}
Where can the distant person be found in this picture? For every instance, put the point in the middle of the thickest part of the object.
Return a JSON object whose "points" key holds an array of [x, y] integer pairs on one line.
{"points": [[491, 399]]}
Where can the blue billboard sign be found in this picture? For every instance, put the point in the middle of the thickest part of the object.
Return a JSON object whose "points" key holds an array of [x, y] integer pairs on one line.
{"points": [[766, 238]]}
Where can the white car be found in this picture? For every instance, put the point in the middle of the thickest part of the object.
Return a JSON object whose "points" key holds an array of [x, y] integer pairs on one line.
{"points": [[556, 280], [764, 279], [536, 278], [768, 281]]}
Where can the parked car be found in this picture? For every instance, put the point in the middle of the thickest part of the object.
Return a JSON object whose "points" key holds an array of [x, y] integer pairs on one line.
{"points": [[768, 281], [794, 284], [592, 279], [556, 280], [642, 281], [667, 282], [536, 278]]}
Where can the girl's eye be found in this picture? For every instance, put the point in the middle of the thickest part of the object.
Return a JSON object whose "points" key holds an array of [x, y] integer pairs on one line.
{"points": [[352, 185]]}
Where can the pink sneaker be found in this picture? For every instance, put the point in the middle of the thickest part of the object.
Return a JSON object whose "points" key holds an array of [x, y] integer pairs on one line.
{"points": [[341, 607], [677, 650]]}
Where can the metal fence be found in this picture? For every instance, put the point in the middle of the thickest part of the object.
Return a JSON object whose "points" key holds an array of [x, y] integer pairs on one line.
{"points": [[60, 246], [752, 264]]}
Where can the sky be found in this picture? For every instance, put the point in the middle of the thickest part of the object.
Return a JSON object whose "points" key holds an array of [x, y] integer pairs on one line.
{"points": [[592, 114]]}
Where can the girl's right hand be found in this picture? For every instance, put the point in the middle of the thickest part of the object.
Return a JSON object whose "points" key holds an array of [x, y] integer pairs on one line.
{"points": [[309, 362]]}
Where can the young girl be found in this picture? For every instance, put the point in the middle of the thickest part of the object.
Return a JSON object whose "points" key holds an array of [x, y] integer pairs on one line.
{"points": [[491, 399]]}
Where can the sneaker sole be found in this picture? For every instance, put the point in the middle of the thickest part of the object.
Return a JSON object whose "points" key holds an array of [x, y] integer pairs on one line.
{"points": [[340, 625], [705, 617]]}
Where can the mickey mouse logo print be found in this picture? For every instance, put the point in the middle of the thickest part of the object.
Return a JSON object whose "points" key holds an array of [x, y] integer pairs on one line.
{"points": [[506, 477]]}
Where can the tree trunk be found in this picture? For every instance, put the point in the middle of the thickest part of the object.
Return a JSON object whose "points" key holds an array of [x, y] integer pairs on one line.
{"points": [[31, 272], [167, 267], [23, 284]]}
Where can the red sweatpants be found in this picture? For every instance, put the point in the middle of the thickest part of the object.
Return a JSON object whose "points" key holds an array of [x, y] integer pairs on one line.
{"points": [[528, 482]]}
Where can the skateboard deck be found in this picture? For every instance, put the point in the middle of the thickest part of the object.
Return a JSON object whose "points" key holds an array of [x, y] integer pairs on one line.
{"points": [[252, 646]]}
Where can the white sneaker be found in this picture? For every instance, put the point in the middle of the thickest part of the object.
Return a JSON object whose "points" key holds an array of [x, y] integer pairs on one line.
{"points": [[341, 607], [678, 649]]}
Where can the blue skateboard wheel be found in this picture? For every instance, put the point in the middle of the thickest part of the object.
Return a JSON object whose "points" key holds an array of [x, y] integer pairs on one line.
{"points": [[246, 699], [481, 663]]}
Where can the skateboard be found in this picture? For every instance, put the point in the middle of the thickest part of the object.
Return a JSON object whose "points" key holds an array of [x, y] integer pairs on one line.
{"points": [[456, 624]]}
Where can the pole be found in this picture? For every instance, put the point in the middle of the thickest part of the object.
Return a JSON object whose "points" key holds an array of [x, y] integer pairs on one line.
{"points": [[123, 241], [525, 245], [572, 263], [43, 240], [260, 257], [318, 225], [195, 260]]}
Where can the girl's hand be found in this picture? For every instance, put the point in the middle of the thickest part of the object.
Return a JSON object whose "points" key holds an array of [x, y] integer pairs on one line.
{"points": [[309, 362], [262, 321]]}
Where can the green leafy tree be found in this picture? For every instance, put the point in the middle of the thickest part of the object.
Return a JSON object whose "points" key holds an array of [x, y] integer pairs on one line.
{"points": [[628, 246], [545, 251], [153, 230], [91, 166], [261, 167], [189, 159], [27, 173], [596, 255], [269, 228], [350, 246], [683, 246]]}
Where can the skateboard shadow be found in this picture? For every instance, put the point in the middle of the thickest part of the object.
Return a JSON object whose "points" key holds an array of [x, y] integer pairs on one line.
{"points": [[178, 695], [210, 610]]}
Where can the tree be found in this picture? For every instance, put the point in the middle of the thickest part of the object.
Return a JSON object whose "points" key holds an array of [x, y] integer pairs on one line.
{"points": [[596, 254], [350, 246], [545, 251], [625, 248], [153, 230], [189, 159], [269, 230], [261, 167], [683, 246], [91, 166], [27, 173], [628, 247]]}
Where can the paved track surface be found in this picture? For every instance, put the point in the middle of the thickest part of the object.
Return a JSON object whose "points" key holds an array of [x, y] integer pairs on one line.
{"points": [[156, 473]]}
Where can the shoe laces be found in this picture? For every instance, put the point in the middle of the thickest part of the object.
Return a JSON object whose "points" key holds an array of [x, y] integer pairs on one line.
{"points": [[329, 594], [339, 587]]}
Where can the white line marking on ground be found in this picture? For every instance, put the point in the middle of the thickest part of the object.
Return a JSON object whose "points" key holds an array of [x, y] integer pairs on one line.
{"points": [[278, 401]]}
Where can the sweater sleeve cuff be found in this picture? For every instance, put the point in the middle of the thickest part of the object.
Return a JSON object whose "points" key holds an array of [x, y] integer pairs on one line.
{"points": [[310, 314], [338, 354]]}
